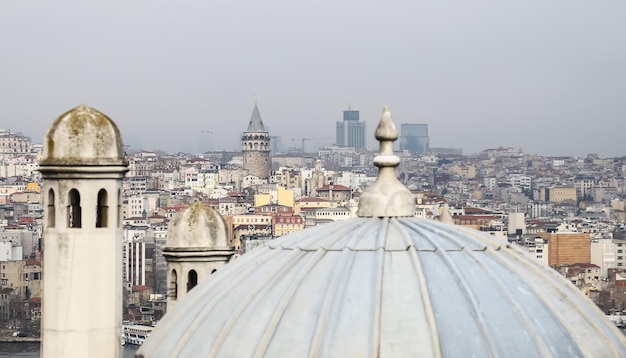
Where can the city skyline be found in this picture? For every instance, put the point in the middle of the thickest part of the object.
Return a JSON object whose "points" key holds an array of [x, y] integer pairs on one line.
{"points": [[544, 77]]}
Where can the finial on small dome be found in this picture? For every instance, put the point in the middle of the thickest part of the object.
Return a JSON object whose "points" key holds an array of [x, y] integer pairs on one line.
{"points": [[386, 197], [445, 216]]}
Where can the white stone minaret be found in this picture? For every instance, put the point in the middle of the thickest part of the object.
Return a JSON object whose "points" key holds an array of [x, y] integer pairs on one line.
{"points": [[197, 245], [82, 167]]}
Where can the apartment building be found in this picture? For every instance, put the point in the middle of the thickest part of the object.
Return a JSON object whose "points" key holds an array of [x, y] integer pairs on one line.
{"points": [[568, 248], [13, 144]]}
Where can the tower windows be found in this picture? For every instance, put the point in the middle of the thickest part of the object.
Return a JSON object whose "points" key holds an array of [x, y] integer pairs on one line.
{"points": [[173, 289], [73, 210], [192, 280], [102, 209], [51, 209]]}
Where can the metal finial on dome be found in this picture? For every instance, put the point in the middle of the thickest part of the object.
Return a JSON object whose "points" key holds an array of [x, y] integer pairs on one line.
{"points": [[386, 197]]}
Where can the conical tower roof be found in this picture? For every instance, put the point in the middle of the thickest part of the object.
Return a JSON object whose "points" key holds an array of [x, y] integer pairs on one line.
{"points": [[256, 123]]}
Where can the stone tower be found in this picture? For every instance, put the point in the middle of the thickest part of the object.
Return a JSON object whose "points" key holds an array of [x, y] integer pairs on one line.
{"points": [[256, 146], [197, 245], [82, 167]]}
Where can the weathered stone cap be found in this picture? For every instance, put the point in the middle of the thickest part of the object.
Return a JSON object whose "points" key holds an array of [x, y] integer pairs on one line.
{"points": [[197, 227], [83, 135]]}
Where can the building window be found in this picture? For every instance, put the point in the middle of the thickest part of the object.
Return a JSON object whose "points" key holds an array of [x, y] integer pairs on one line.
{"points": [[102, 209], [51, 211], [73, 210], [192, 280]]}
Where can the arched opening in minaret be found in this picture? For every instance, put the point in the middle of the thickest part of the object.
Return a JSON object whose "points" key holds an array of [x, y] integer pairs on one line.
{"points": [[173, 289], [119, 208], [51, 209], [102, 209], [214, 271], [73, 210], [192, 280]]}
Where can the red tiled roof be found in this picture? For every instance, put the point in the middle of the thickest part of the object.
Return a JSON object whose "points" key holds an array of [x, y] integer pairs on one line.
{"points": [[584, 265], [335, 187], [470, 210], [474, 217], [309, 199]]}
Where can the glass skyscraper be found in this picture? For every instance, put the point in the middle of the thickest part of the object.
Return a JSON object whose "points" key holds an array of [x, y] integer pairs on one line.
{"points": [[414, 138], [351, 132]]}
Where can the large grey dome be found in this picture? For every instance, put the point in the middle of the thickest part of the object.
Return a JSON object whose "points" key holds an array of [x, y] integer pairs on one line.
{"points": [[385, 285], [388, 287]]}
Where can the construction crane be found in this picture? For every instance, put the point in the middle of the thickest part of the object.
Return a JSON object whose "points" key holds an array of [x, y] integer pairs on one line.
{"points": [[304, 140]]}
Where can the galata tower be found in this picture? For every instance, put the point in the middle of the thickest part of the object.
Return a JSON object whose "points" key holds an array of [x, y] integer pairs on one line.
{"points": [[256, 146]]}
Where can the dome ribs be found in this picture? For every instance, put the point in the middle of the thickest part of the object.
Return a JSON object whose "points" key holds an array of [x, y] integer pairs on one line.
{"points": [[470, 298], [577, 310], [307, 266], [336, 288], [254, 294], [198, 301], [477, 259]]}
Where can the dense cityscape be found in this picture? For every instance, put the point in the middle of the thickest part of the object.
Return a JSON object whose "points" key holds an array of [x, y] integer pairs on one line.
{"points": [[566, 211]]}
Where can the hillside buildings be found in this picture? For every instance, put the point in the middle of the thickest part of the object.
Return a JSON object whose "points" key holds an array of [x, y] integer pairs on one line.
{"points": [[385, 284], [530, 200]]}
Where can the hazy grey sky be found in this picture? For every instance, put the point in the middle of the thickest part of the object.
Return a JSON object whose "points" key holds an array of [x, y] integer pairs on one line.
{"points": [[545, 76]]}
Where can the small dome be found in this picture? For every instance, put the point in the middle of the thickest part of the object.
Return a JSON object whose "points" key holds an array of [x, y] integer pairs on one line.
{"points": [[83, 135], [197, 227]]}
